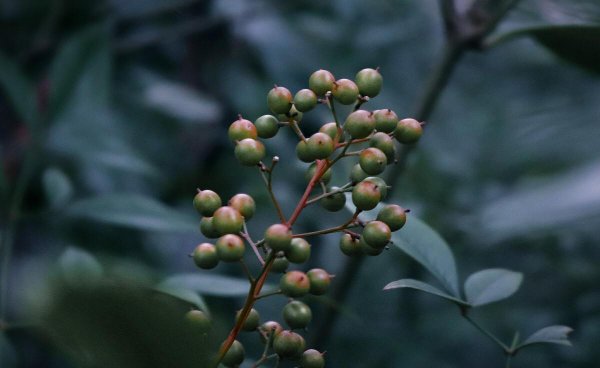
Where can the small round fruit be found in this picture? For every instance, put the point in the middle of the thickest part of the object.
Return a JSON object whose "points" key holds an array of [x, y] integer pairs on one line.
{"points": [[305, 100], [288, 344], [321, 81], [278, 237], [386, 120], [320, 145], [369, 82], [294, 284], [235, 355], [297, 314], [280, 265], [408, 131], [207, 228], [393, 215], [312, 358], [367, 249], [205, 256], [330, 129], [377, 234], [381, 185], [334, 202], [345, 91], [268, 328], [310, 172], [299, 251], [303, 153], [360, 124], [267, 126], [357, 174], [372, 161], [366, 195], [230, 248], [252, 321], [198, 319], [206, 202], [349, 245], [319, 281], [279, 100], [244, 204], [241, 129], [385, 143], [249, 151], [227, 220]]}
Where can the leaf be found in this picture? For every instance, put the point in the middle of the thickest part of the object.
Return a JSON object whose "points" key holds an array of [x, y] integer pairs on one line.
{"points": [[186, 295], [577, 44], [18, 89], [132, 210], [549, 335], [422, 286], [79, 267], [216, 285], [491, 285], [57, 186]]}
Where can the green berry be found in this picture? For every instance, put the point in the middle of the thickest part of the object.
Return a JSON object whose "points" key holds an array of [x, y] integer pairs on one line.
{"points": [[198, 319], [366, 195], [267, 126], [299, 251], [268, 328], [205, 256], [381, 185], [369, 82], [249, 151], [252, 321], [367, 249], [360, 124], [278, 237], [293, 114], [241, 129], [372, 161], [320, 145], [310, 172], [235, 355], [377, 234], [279, 100], [312, 358], [230, 248], [305, 100], [244, 204], [408, 131], [334, 202], [207, 228], [385, 143], [321, 81], [393, 215], [206, 202], [303, 152], [349, 245], [319, 281], [227, 220], [288, 344], [330, 129], [386, 120], [357, 174], [297, 314], [345, 91], [294, 284], [280, 265]]}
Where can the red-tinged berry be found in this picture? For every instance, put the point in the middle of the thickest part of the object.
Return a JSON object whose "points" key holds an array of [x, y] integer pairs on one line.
{"points": [[381, 185], [305, 100], [386, 120], [206, 202], [244, 204], [288, 344], [330, 129], [385, 143], [345, 91], [321, 81], [267, 126], [298, 251], [312, 358], [252, 321], [279, 100], [278, 237], [393, 215], [268, 328], [334, 202], [297, 314], [249, 152], [241, 129], [349, 245], [207, 228], [366, 195], [369, 82], [230, 248], [377, 234], [227, 220], [360, 124], [235, 355], [320, 145], [310, 172], [205, 256], [319, 281], [294, 284], [357, 174], [367, 249], [372, 161], [408, 131]]}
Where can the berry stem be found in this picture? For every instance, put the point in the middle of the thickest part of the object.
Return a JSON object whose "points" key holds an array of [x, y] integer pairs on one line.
{"points": [[267, 178], [267, 294], [296, 129], [343, 188], [348, 224], [331, 106]]}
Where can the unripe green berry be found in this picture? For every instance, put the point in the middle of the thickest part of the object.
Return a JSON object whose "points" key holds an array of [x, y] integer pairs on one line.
{"points": [[330, 129], [278, 237], [235, 355], [320, 145], [349, 245], [303, 152], [366, 195], [206, 202], [230, 248], [268, 328], [249, 152], [357, 174], [244, 204], [299, 251], [227, 220], [297, 314], [305, 100], [312, 358], [279, 100], [251, 323], [386, 120], [288, 344], [241, 129], [319, 281], [360, 124], [321, 81], [310, 172], [207, 228], [334, 202], [367, 249], [372, 161], [267, 126], [369, 82], [345, 91], [408, 131], [385, 143], [294, 284], [381, 185], [393, 215], [280, 265], [198, 319], [205, 256], [377, 234], [293, 114]]}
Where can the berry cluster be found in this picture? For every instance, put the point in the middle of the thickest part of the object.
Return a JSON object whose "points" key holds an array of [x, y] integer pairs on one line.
{"points": [[373, 133]]}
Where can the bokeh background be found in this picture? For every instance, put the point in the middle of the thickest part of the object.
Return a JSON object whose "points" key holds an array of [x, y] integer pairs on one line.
{"points": [[113, 112]]}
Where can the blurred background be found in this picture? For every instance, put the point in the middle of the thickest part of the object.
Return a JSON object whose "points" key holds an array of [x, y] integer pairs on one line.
{"points": [[113, 112]]}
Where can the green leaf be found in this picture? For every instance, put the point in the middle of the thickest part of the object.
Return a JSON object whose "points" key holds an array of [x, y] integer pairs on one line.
{"points": [[549, 335], [133, 210], [491, 285], [79, 267], [422, 286], [577, 44], [18, 89], [186, 295], [57, 186], [211, 284]]}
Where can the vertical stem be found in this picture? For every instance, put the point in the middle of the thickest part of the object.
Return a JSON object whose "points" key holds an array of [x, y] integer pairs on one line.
{"points": [[508, 360]]}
